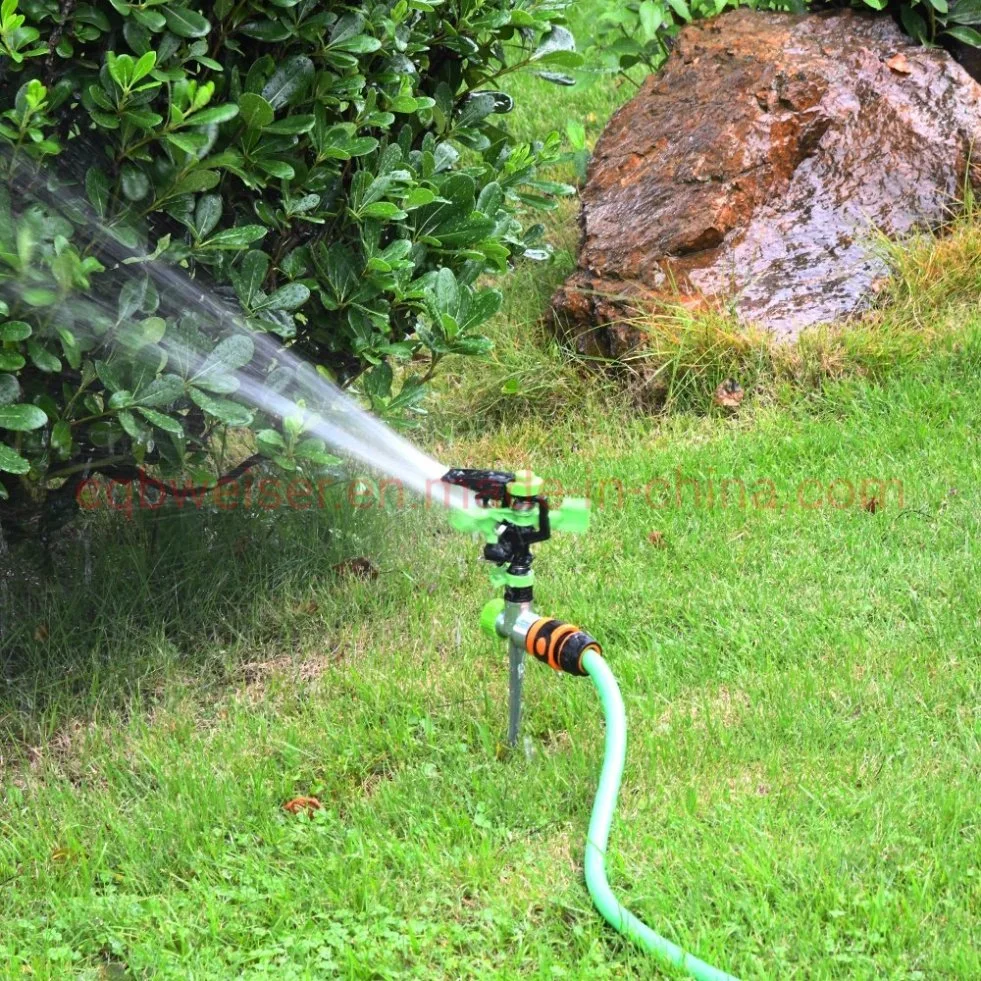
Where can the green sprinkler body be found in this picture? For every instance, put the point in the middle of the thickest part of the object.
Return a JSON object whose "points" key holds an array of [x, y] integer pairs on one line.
{"points": [[512, 514]]}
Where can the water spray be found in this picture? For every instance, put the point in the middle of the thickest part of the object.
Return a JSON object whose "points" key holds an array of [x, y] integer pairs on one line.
{"points": [[510, 511]]}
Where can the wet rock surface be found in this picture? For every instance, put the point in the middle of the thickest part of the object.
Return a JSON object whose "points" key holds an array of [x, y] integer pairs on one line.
{"points": [[757, 169]]}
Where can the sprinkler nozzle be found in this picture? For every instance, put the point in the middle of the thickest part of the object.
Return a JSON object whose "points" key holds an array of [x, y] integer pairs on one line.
{"points": [[489, 486]]}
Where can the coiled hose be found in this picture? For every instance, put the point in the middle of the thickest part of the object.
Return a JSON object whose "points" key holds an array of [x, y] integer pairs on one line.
{"points": [[617, 915]]}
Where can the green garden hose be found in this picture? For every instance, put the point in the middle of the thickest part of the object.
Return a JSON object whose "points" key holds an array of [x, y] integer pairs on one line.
{"points": [[618, 916]]}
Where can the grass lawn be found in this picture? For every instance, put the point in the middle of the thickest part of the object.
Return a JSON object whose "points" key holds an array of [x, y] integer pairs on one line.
{"points": [[799, 665]]}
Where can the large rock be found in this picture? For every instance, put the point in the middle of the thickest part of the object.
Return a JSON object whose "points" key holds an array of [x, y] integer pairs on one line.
{"points": [[757, 167]]}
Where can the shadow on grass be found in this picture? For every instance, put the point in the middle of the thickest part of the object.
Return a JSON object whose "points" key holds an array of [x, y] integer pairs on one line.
{"points": [[121, 605]]}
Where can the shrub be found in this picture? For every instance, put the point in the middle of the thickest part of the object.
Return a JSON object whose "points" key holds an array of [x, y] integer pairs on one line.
{"points": [[339, 168]]}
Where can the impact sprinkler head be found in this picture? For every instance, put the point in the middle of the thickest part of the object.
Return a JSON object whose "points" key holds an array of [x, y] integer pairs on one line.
{"points": [[512, 514]]}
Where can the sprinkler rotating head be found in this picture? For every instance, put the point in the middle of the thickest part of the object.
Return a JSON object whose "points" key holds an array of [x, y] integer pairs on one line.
{"points": [[512, 514]]}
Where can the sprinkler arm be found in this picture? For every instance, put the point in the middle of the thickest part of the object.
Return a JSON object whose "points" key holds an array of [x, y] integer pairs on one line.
{"points": [[572, 516], [511, 514], [493, 525]]}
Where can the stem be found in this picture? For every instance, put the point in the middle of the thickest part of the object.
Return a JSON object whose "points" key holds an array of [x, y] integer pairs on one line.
{"points": [[109, 461], [428, 376]]}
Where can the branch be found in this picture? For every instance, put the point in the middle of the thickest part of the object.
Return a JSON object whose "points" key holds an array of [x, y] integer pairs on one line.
{"points": [[66, 10], [126, 475]]}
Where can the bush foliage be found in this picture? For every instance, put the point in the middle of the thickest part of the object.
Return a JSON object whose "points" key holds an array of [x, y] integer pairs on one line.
{"points": [[338, 168]]}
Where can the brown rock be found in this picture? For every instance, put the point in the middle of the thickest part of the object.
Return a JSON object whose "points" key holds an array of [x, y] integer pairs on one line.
{"points": [[756, 168]]}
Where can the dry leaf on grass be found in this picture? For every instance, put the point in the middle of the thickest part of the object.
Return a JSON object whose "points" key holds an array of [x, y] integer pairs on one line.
{"points": [[360, 568], [656, 538], [729, 394], [305, 804]]}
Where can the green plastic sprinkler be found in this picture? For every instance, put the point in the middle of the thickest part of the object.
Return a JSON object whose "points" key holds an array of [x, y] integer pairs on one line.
{"points": [[511, 513]]}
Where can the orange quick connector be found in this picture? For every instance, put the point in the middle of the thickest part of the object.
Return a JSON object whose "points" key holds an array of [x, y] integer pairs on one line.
{"points": [[559, 645]]}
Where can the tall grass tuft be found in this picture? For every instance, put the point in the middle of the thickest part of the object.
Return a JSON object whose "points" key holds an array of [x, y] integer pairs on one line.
{"points": [[931, 300]]}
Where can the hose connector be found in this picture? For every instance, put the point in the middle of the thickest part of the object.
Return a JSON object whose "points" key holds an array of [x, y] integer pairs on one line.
{"points": [[559, 645]]}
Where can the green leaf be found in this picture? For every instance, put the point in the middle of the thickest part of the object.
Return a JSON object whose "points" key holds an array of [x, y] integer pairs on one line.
{"points": [[292, 126], [214, 115], [362, 44], [207, 214], [9, 389], [11, 462], [236, 238], [144, 66], [97, 189], [966, 34], [15, 330], [196, 180], [315, 450], [289, 81], [557, 39], [651, 17], [162, 391], [472, 346], [142, 119], [133, 427], [446, 292], [11, 361], [913, 23], [134, 183], [229, 355], [185, 23], [482, 307], [270, 442], [276, 168], [188, 142], [161, 421], [248, 281], [383, 209], [61, 438], [140, 333], [22, 418], [120, 68], [230, 413], [153, 20], [121, 400], [109, 377], [418, 197], [288, 297], [132, 296], [42, 358], [266, 30], [255, 111], [966, 12], [377, 383]]}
